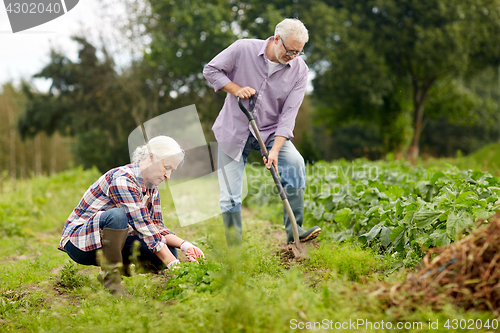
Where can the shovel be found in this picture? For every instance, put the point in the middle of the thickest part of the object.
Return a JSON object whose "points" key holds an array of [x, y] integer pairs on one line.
{"points": [[299, 250]]}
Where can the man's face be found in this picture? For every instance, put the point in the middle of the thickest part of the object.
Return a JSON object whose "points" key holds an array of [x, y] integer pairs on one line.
{"points": [[289, 45]]}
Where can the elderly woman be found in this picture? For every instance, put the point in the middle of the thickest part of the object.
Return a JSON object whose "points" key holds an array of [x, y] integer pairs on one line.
{"points": [[122, 207]]}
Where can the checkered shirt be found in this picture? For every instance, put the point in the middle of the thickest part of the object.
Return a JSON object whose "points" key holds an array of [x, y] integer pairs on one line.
{"points": [[123, 188]]}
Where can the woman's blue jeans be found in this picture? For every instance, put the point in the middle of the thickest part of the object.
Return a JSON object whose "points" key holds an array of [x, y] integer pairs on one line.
{"points": [[116, 218]]}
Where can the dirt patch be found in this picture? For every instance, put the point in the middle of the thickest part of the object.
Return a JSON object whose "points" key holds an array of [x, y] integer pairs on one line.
{"points": [[56, 270], [24, 296], [287, 258], [15, 295], [466, 272], [21, 257], [64, 294]]}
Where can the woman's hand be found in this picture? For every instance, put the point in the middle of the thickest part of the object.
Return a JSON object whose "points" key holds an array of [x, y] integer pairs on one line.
{"points": [[191, 251], [173, 264]]}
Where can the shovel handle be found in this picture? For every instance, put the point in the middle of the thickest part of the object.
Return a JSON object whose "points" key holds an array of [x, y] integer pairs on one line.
{"points": [[274, 173], [263, 149], [251, 105]]}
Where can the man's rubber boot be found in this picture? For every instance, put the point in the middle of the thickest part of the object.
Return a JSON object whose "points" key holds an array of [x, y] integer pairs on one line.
{"points": [[296, 199], [111, 262], [232, 224]]}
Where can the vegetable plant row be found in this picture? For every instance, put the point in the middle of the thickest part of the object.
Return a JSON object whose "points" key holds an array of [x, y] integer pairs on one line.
{"points": [[392, 206]]}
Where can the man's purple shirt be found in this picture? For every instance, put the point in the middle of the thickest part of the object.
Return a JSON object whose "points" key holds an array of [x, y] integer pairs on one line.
{"points": [[277, 99]]}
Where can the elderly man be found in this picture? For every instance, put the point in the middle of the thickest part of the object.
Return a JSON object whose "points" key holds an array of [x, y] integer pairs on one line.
{"points": [[270, 71]]}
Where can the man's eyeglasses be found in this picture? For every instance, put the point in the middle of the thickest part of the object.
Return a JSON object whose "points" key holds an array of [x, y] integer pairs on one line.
{"points": [[291, 53]]}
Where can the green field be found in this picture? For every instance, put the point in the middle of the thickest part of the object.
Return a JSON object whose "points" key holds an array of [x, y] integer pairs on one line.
{"points": [[255, 288]]}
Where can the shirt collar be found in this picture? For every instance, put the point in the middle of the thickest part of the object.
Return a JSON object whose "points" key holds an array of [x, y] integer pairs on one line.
{"points": [[138, 175], [262, 52]]}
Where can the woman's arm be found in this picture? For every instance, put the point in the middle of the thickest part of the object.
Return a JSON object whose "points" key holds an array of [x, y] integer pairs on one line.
{"points": [[173, 240], [165, 255], [191, 251]]}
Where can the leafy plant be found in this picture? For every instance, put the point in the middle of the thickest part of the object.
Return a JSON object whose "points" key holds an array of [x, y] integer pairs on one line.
{"points": [[70, 278], [403, 208], [190, 277], [392, 206]]}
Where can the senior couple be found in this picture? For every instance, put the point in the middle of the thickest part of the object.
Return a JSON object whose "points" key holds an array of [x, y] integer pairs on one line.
{"points": [[123, 206]]}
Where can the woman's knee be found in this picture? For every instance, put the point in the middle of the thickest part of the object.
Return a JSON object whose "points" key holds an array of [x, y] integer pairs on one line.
{"points": [[79, 256], [114, 218]]}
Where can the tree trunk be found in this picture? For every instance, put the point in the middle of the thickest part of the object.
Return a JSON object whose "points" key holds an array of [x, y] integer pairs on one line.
{"points": [[419, 97], [53, 155], [12, 140], [418, 114], [24, 165], [38, 155], [13, 166]]}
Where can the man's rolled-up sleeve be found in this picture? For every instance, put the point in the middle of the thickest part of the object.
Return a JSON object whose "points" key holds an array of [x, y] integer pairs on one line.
{"points": [[126, 195], [216, 70], [286, 122]]}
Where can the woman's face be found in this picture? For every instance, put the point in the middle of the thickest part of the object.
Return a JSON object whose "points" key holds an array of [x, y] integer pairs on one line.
{"points": [[160, 169]]}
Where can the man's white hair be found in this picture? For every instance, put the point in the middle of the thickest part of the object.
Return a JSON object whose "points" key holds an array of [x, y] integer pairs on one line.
{"points": [[161, 147], [292, 27]]}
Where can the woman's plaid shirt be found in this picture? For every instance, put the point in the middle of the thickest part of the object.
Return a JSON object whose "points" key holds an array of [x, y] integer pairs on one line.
{"points": [[123, 188]]}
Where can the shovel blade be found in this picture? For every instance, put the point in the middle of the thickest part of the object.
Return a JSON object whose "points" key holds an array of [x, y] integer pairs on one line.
{"points": [[299, 251]]}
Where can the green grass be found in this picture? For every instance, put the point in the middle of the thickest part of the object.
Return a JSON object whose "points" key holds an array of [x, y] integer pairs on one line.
{"points": [[348, 260], [486, 159], [246, 289]]}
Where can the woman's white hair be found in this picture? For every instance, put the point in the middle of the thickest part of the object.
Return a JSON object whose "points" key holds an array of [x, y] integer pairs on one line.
{"points": [[161, 147], [292, 27]]}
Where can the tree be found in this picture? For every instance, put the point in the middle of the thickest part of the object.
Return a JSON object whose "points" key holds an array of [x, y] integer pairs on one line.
{"points": [[19, 159], [86, 100], [182, 37], [378, 60]]}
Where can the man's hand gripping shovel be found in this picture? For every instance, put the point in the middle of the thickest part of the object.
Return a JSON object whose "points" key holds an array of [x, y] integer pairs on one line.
{"points": [[298, 249]]}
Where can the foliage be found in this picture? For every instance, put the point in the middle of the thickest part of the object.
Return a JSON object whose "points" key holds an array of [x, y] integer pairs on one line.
{"points": [[378, 60], [28, 207], [350, 141], [401, 208], [308, 149], [235, 289], [488, 156], [86, 100], [181, 38], [376, 64], [391, 206], [190, 278], [70, 278], [349, 260], [36, 156]]}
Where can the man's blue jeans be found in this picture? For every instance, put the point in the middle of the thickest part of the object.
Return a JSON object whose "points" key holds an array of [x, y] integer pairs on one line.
{"points": [[116, 218], [291, 168]]}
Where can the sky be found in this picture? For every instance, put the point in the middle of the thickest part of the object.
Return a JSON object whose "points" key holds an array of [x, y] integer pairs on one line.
{"points": [[25, 53]]}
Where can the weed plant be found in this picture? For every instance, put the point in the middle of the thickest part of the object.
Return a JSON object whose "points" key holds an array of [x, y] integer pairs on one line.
{"points": [[70, 278]]}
